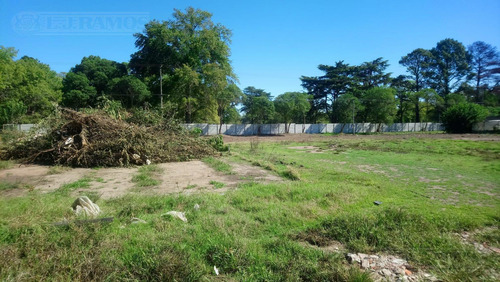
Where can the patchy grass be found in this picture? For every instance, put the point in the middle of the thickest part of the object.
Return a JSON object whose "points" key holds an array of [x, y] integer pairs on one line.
{"points": [[5, 185], [256, 231], [147, 176], [82, 183], [57, 169], [216, 184], [218, 165], [6, 164]]}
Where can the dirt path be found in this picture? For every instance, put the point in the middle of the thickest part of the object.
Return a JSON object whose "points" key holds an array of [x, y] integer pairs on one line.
{"points": [[184, 177]]}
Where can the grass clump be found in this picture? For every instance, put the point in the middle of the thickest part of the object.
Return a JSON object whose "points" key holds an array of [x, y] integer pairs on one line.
{"points": [[147, 176], [6, 164], [218, 165], [217, 184]]}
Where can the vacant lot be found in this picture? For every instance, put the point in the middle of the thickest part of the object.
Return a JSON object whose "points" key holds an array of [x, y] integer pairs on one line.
{"points": [[288, 209]]}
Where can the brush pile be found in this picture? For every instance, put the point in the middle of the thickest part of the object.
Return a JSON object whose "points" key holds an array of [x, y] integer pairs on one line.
{"points": [[92, 140]]}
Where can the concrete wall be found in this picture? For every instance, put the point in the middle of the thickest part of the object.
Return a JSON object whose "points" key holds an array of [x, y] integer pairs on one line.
{"points": [[274, 129]]}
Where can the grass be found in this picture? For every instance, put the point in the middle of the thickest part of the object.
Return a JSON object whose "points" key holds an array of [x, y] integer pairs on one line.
{"points": [[147, 176], [218, 165], [216, 184], [429, 189], [6, 164]]}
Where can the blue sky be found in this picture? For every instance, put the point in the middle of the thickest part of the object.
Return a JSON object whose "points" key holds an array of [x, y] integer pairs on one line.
{"points": [[273, 43]]}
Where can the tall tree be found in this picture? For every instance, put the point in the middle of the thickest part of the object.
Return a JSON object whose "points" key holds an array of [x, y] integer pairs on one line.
{"points": [[417, 64], [190, 41], [292, 106], [449, 66], [91, 78], [257, 105], [372, 74], [485, 63], [379, 105], [226, 101]]}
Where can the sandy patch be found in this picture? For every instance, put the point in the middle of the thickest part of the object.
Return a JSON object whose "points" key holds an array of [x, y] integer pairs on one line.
{"points": [[183, 177]]}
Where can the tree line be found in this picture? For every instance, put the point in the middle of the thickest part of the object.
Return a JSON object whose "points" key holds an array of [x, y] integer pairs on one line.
{"points": [[182, 69]]}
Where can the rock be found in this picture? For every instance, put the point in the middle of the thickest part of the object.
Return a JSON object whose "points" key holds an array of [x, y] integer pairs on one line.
{"points": [[136, 157], [408, 272], [353, 258], [378, 203], [365, 263], [196, 207], [399, 262], [84, 206], [180, 215], [385, 272], [136, 220], [148, 162]]}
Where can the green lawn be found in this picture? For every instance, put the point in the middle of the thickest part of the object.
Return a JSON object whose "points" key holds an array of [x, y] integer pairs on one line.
{"points": [[430, 189]]}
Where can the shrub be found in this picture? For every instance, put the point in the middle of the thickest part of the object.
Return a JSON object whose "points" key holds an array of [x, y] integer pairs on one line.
{"points": [[460, 118]]}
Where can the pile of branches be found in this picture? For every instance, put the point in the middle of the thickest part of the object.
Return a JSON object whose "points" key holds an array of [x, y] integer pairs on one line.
{"points": [[91, 140]]}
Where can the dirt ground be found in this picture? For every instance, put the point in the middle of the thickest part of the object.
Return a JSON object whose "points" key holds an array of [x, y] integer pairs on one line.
{"points": [[183, 177], [320, 137]]}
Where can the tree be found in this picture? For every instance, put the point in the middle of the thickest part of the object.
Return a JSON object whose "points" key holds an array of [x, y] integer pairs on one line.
{"points": [[27, 86], [77, 91], [417, 64], [485, 63], [406, 98], [193, 53], [292, 106], [345, 110], [257, 105], [379, 105], [129, 90], [372, 74], [93, 77], [449, 66], [461, 117], [226, 100]]}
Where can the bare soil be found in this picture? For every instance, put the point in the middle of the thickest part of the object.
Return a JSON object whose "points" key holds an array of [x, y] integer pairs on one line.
{"points": [[182, 177]]}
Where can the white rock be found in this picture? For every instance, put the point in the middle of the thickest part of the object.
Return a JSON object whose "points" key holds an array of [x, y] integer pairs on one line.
{"points": [[353, 258], [399, 261], [216, 270], [180, 215], [385, 272], [84, 206], [365, 263], [136, 220], [135, 156], [148, 162]]}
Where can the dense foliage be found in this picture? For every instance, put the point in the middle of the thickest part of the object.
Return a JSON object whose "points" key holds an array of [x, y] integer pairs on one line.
{"points": [[182, 67], [461, 117]]}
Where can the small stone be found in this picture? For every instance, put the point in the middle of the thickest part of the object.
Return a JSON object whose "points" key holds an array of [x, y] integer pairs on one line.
{"points": [[196, 207], [148, 162], [135, 156], [408, 272], [378, 203]]}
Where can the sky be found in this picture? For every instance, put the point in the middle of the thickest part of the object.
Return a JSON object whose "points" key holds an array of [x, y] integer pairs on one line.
{"points": [[273, 44]]}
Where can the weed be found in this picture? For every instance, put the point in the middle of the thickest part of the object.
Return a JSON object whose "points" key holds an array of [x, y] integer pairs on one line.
{"points": [[216, 184], [146, 176]]}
